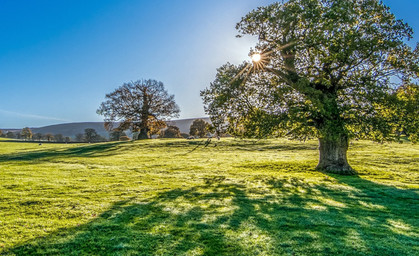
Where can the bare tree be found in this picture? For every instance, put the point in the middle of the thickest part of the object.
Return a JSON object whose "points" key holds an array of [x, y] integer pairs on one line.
{"points": [[140, 106]]}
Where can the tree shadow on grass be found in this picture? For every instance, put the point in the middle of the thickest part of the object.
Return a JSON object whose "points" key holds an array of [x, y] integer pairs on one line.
{"points": [[278, 147], [93, 150], [220, 217], [241, 145]]}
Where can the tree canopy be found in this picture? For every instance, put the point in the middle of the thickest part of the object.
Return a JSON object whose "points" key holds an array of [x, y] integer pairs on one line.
{"points": [[10, 135], [199, 128], [59, 137], [324, 69], [141, 106], [405, 114], [90, 135], [172, 131], [26, 133]]}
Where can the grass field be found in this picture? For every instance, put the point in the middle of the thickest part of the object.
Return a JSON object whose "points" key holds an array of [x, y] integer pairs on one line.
{"points": [[233, 197]]}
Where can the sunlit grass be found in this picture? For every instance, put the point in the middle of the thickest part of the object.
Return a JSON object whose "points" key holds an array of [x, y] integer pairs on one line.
{"points": [[234, 197]]}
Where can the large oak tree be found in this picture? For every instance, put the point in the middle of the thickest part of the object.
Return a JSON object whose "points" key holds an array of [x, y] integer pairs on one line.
{"points": [[141, 106], [322, 68]]}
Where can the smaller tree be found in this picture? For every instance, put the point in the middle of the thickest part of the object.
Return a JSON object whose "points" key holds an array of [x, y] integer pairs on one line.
{"points": [[199, 128], [405, 113], [1, 133], [59, 138], [79, 137], [10, 135], [171, 132], [101, 139], [67, 139], [26, 133], [116, 135], [90, 135], [38, 136], [184, 135], [49, 137]]}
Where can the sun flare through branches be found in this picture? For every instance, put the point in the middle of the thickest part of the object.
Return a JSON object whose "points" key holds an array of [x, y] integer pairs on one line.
{"points": [[259, 62]]}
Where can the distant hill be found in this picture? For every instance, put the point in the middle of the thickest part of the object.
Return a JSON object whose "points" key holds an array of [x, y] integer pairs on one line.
{"points": [[71, 129]]}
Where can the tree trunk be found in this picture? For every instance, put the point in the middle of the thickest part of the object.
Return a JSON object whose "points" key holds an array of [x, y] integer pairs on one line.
{"points": [[333, 155], [143, 134]]}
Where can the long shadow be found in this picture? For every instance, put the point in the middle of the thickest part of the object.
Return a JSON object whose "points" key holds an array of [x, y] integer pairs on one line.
{"points": [[132, 228], [225, 218], [395, 202], [93, 150], [278, 147], [242, 145], [266, 145]]}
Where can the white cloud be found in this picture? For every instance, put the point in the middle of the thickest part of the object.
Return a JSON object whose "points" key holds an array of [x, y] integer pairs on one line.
{"points": [[25, 115]]}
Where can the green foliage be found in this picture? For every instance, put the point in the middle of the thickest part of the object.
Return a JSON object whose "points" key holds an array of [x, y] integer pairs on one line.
{"points": [[199, 128], [171, 132], [407, 111], [90, 135], [49, 137], [38, 136], [10, 135], [177, 197], [116, 135], [26, 133], [79, 137], [59, 138], [184, 135], [325, 72]]}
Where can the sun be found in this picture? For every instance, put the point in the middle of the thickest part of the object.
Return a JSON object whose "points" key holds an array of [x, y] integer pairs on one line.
{"points": [[256, 57]]}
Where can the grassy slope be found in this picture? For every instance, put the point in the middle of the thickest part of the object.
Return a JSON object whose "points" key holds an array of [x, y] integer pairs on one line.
{"points": [[167, 197]]}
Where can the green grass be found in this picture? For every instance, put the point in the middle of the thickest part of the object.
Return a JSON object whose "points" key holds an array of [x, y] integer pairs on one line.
{"points": [[235, 197]]}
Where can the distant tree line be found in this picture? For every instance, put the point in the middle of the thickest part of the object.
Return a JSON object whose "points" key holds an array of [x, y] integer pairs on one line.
{"points": [[90, 135], [198, 129]]}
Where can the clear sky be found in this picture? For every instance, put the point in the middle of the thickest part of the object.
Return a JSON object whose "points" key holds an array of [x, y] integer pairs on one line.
{"points": [[58, 59]]}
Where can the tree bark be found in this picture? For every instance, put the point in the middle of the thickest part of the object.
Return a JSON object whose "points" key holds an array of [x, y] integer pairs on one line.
{"points": [[333, 155]]}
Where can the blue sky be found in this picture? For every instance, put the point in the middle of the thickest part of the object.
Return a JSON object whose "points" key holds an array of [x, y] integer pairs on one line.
{"points": [[58, 59]]}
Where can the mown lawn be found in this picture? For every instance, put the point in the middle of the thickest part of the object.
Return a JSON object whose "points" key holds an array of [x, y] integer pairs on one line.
{"points": [[233, 197]]}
